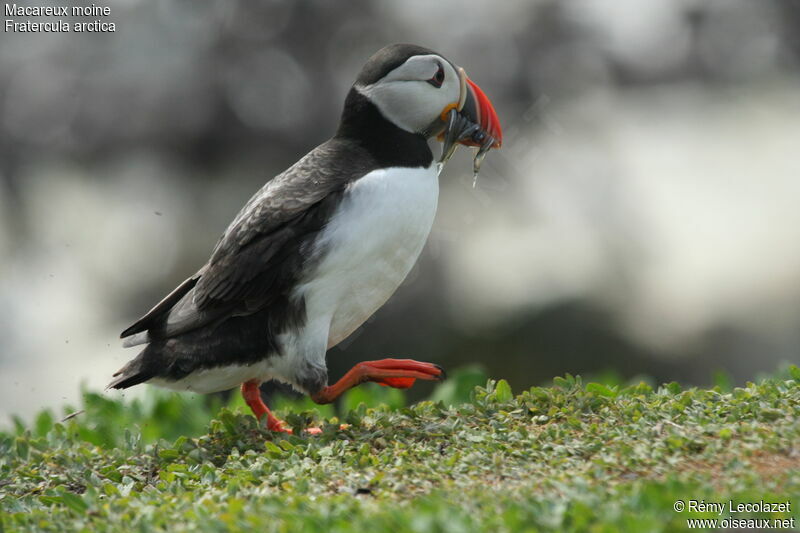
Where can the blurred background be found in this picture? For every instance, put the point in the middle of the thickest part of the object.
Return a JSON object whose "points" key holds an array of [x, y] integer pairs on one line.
{"points": [[641, 219]]}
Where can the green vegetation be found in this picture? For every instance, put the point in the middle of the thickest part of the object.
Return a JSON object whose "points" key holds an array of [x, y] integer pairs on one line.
{"points": [[571, 457]]}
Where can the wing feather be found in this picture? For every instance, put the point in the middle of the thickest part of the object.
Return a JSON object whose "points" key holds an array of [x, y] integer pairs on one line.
{"points": [[144, 323], [264, 249]]}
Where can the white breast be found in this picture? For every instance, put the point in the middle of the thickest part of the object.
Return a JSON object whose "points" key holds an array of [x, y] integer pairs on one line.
{"points": [[369, 246]]}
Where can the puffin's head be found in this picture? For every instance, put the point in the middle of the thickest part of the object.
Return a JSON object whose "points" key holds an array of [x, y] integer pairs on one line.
{"points": [[422, 92]]}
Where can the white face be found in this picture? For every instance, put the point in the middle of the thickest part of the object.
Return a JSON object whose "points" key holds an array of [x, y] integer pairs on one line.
{"points": [[408, 95]]}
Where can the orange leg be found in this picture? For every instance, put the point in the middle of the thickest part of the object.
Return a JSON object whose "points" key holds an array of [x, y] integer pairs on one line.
{"points": [[252, 397], [397, 373]]}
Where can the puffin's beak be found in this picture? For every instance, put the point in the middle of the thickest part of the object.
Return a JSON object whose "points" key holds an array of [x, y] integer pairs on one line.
{"points": [[478, 109], [472, 121]]}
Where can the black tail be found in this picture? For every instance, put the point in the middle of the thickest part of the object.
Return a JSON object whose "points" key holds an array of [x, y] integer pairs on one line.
{"points": [[131, 374]]}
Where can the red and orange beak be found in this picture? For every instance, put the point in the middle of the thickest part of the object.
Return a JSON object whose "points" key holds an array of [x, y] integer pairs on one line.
{"points": [[478, 109]]}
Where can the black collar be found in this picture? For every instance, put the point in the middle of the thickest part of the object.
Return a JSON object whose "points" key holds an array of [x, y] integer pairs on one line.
{"points": [[390, 145]]}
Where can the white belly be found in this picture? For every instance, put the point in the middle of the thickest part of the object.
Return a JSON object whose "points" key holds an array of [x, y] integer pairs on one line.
{"points": [[370, 245]]}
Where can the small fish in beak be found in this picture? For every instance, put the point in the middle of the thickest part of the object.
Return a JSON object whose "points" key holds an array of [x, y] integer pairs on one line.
{"points": [[473, 123], [461, 130]]}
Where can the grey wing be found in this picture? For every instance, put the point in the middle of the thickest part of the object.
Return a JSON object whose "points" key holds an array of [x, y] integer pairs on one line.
{"points": [[260, 253]]}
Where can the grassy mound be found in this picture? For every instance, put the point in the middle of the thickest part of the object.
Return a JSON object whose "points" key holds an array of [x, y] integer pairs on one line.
{"points": [[570, 457]]}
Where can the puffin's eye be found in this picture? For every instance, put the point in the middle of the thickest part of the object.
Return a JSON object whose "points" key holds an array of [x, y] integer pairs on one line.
{"points": [[438, 79]]}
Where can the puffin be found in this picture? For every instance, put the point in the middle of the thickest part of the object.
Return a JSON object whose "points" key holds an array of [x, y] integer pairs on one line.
{"points": [[320, 247]]}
